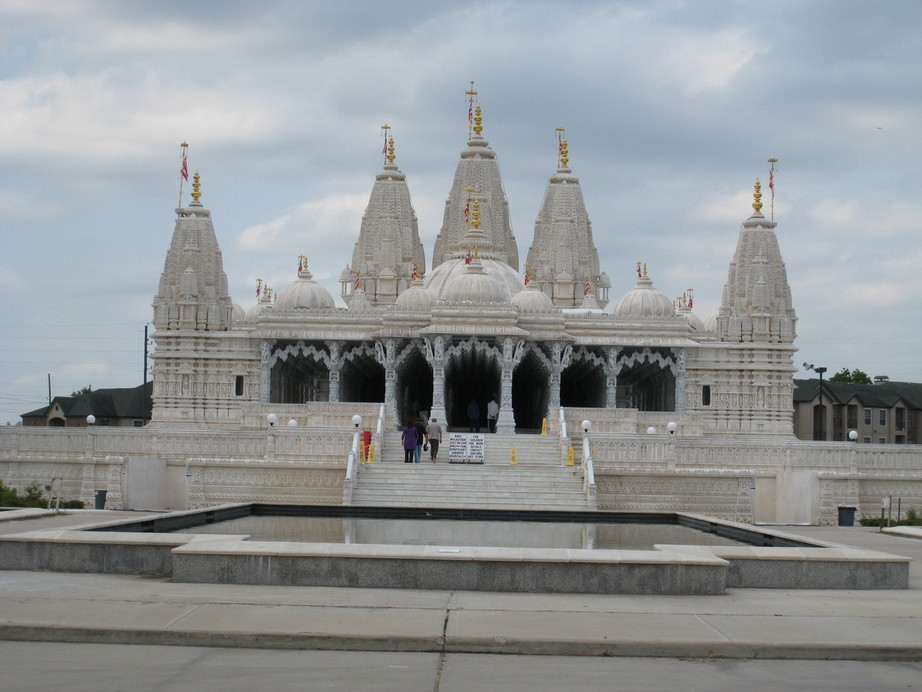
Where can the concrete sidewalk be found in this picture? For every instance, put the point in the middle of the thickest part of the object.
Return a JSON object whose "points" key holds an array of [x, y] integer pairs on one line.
{"points": [[744, 623]]}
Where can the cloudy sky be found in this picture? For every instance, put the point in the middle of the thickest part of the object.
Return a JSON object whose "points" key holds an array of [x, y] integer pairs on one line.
{"points": [[671, 109]]}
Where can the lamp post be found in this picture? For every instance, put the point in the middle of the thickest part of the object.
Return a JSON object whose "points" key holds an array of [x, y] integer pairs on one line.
{"points": [[853, 435], [819, 370], [672, 426], [272, 419]]}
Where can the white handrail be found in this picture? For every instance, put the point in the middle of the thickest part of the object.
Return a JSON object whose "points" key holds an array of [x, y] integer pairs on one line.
{"points": [[587, 462], [350, 464]]}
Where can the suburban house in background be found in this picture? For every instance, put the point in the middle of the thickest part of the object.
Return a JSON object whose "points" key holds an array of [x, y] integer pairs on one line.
{"points": [[130, 406], [881, 413]]}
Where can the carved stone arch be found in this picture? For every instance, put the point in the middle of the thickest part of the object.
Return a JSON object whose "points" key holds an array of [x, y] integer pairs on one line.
{"points": [[531, 391], [413, 381], [583, 380], [647, 380], [299, 349], [362, 375], [473, 371], [299, 373]]}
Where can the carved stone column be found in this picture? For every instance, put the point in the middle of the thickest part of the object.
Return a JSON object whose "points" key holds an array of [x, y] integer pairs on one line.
{"points": [[554, 378], [335, 348], [612, 370], [512, 355], [265, 371], [386, 354], [681, 356], [435, 354]]}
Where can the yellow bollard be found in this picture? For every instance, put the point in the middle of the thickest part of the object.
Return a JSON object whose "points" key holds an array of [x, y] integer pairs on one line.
{"points": [[570, 455], [512, 457], [544, 426], [370, 454]]}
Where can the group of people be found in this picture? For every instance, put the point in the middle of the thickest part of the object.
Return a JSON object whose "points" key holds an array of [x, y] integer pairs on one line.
{"points": [[419, 437], [473, 415]]}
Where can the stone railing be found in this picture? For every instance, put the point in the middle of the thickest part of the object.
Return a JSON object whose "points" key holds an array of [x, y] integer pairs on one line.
{"points": [[627, 421]]}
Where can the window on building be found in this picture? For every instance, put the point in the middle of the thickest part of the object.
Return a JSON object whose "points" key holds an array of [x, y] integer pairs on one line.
{"points": [[852, 416], [867, 440], [867, 416], [706, 395], [883, 416], [138, 423], [238, 385], [882, 440], [900, 418]]}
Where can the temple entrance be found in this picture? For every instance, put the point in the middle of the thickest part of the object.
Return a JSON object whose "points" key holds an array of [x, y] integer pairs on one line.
{"points": [[470, 374], [530, 394], [648, 381], [414, 387], [361, 377], [299, 380], [582, 384]]}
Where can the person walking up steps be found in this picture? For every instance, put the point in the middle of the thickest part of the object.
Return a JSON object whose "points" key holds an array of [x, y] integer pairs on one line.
{"points": [[435, 438], [409, 442], [420, 438]]}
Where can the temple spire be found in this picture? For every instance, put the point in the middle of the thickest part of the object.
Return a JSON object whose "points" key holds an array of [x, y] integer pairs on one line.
{"points": [[563, 257]]}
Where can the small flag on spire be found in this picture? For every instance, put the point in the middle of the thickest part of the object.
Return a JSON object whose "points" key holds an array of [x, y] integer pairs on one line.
{"points": [[184, 170], [259, 287]]}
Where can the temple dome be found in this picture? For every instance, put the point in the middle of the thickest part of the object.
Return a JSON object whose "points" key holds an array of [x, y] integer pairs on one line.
{"points": [[239, 314], [416, 296], [473, 284], [448, 273], [693, 320], [644, 301], [710, 324], [533, 299], [304, 293]]}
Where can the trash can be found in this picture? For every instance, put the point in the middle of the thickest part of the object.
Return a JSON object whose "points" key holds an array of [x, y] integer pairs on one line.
{"points": [[847, 516], [101, 499]]}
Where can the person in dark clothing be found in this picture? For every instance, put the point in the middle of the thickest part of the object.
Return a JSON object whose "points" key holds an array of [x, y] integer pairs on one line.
{"points": [[409, 443], [420, 438], [473, 415]]}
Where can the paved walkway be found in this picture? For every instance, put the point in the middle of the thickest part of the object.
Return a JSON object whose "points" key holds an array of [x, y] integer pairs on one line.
{"points": [[744, 623]]}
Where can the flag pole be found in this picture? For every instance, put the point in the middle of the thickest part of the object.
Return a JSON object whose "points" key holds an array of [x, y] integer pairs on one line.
{"points": [[183, 169], [771, 182], [471, 95]]}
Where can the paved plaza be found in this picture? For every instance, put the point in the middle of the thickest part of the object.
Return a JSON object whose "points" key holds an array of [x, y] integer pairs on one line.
{"points": [[200, 636]]}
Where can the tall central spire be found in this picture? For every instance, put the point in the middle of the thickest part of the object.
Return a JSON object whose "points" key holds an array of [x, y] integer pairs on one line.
{"points": [[477, 179]]}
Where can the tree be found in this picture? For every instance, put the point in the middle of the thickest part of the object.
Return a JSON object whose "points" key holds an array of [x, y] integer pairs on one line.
{"points": [[83, 390], [855, 376]]}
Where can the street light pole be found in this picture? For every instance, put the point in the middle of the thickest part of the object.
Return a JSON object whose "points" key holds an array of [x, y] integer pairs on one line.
{"points": [[819, 370]]}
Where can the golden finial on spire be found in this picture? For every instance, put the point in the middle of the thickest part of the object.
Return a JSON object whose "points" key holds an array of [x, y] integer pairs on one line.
{"points": [[478, 121], [562, 148], [390, 151], [475, 215], [757, 197], [196, 186]]}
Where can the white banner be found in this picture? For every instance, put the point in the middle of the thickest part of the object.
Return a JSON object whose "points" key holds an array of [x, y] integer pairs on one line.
{"points": [[465, 447]]}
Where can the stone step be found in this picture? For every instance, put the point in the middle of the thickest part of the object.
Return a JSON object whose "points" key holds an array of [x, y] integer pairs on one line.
{"points": [[470, 485]]}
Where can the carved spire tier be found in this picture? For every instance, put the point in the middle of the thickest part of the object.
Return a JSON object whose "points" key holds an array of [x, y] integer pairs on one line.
{"points": [[563, 256], [193, 286], [388, 251], [477, 178], [756, 304]]}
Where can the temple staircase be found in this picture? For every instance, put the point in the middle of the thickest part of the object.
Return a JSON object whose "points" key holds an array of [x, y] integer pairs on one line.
{"points": [[536, 481]]}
